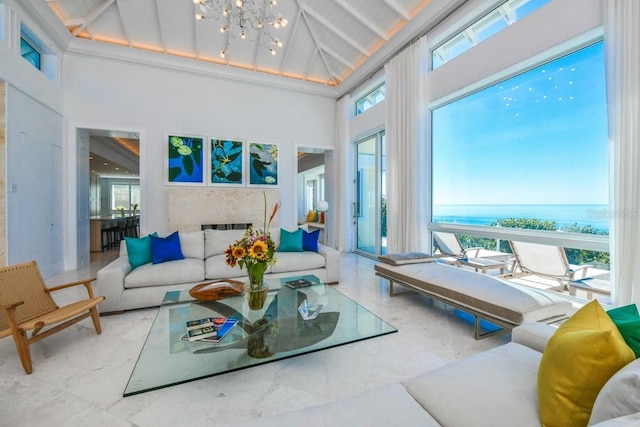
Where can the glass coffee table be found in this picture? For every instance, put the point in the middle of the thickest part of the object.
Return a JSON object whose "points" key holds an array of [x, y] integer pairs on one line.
{"points": [[276, 332]]}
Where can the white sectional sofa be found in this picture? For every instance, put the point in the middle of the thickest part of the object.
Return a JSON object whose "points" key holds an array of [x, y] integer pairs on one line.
{"points": [[495, 388], [204, 259]]}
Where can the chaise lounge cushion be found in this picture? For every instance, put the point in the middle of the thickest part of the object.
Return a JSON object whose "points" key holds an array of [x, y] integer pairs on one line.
{"points": [[509, 302], [458, 395]]}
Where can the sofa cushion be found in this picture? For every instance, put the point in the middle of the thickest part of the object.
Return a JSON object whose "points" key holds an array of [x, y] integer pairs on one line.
{"points": [[579, 359], [620, 395], [187, 270], [390, 405], [627, 320], [297, 261], [216, 267], [310, 240], [493, 388], [192, 244], [290, 241], [217, 241], [165, 249]]}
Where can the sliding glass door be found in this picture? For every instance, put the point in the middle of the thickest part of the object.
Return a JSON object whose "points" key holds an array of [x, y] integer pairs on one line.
{"points": [[370, 205]]}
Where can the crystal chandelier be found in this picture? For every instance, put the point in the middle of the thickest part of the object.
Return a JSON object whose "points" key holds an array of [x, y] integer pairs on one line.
{"points": [[240, 16]]}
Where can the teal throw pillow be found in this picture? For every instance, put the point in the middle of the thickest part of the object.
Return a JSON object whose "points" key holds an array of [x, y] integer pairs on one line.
{"points": [[627, 320], [139, 250], [166, 249], [310, 240], [290, 241]]}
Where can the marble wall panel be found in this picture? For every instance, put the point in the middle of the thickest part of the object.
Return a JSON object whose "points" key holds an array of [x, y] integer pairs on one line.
{"points": [[190, 207]]}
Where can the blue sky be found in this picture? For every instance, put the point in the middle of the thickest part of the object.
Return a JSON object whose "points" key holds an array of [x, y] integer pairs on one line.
{"points": [[537, 138]]}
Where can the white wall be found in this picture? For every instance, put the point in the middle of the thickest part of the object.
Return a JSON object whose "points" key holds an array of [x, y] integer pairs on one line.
{"points": [[34, 142], [103, 94]]}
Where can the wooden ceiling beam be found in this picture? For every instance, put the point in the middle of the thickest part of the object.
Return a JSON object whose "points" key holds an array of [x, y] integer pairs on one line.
{"points": [[92, 16], [364, 21], [338, 32]]}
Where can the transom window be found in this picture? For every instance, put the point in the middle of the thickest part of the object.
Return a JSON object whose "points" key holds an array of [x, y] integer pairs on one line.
{"points": [[485, 27], [30, 53], [370, 99]]}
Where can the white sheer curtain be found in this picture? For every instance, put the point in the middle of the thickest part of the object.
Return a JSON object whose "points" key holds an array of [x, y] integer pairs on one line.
{"points": [[344, 172], [407, 151], [622, 53]]}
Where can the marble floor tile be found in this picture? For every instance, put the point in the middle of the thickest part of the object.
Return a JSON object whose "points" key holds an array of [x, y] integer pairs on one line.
{"points": [[79, 376]]}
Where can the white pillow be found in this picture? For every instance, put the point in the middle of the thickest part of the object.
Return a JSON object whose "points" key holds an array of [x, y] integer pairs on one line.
{"points": [[217, 241], [620, 395]]}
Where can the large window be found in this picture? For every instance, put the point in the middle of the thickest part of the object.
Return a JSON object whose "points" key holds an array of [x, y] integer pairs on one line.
{"points": [[528, 152], [125, 197]]}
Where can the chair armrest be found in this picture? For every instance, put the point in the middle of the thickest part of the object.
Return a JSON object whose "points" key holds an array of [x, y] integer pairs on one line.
{"points": [[582, 269], [466, 252], [85, 282], [534, 335], [11, 306]]}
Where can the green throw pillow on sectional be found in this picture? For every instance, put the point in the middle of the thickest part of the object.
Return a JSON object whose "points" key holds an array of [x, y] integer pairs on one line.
{"points": [[139, 250], [290, 241], [627, 320]]}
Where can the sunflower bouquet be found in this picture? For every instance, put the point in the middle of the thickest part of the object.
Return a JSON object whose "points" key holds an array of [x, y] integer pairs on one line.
{"points": [[255, 252]]}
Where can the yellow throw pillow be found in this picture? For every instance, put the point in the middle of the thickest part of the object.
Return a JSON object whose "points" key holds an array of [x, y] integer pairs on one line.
{"points": [[312, 216], [580, 357]]}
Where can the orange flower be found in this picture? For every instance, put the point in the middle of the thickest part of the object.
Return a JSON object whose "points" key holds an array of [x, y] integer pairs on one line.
{"points": [[239, 252], [259, 250], [231, 260]]}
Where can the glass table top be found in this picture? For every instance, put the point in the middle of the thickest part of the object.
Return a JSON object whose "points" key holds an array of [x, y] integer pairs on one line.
{"points": [[276, 332]]}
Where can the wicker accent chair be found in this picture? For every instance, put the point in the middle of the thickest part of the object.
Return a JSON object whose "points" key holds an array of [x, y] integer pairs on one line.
{"points": [[26, 305]]}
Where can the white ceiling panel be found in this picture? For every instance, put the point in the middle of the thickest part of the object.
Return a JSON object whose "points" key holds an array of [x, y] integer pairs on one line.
{"points": [[323, 42]]}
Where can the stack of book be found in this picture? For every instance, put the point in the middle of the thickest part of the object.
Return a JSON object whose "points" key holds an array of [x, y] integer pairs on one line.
{"points": [[209, 329]]}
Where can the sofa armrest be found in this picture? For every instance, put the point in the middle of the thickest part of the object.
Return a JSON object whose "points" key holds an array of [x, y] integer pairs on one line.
{"points": [[534, 335], [332, 263], [110, 283]]}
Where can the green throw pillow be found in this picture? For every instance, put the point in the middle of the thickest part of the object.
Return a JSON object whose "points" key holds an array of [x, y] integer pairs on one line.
{"points": [[139, 250], [627, 320], [290, 241]]}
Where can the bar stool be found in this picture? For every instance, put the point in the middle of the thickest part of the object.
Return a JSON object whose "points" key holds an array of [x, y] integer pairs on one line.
{"points": [[105, 236]]}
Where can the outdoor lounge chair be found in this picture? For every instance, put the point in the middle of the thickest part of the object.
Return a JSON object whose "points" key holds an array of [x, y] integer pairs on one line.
{"points": [[449, 247], [26, 305], [546, 262]]}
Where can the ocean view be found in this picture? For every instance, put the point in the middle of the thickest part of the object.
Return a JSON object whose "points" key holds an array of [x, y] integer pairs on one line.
{"points": [[564, 215]]}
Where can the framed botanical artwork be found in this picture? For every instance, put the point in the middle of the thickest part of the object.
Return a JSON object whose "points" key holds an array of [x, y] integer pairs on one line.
{"points": [[227, 162], [263, 164], [185, 159]]}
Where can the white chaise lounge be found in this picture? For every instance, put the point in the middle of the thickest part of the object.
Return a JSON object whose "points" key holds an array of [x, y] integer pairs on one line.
{"points": [[485, 297]]}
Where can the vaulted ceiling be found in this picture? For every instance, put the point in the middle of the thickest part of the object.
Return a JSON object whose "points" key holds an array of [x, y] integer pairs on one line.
{"points": [[324, 42]]}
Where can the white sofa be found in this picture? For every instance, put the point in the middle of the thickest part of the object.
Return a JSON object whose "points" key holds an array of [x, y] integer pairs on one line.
{"points": [[494, 388], [204, 259]]}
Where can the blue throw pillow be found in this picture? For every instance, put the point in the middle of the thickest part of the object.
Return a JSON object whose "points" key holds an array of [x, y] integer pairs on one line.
{"points": [[166, 249], [139, 250], [290, 241], [310, 240]]}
